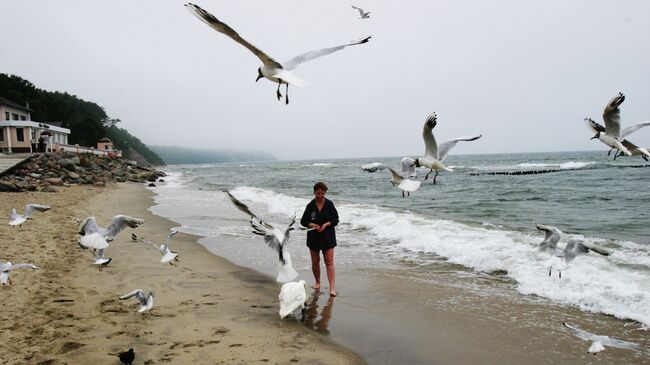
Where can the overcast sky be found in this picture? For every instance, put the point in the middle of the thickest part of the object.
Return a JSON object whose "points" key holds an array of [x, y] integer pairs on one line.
{"points": [[523, 73]]}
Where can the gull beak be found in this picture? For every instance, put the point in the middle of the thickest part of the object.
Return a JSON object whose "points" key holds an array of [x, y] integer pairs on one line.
{"points": [[259, 76], [594, 137]]}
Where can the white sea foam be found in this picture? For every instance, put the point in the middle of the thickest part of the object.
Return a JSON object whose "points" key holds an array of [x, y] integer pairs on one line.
{"points": [[590, 282]]}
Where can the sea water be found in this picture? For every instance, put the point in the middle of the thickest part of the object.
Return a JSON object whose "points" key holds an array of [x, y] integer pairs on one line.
{"points": [[470, 223]]}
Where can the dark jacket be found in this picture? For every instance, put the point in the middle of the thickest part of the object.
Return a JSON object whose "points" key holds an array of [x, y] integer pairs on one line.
{"points": [[320, 240]]}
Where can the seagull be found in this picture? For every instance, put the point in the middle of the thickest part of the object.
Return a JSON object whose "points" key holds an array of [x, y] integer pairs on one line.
{"points": [[362, 13], [573, 249], [406, 185], [95, 237], [167, 254], [634, 149], [373, 167], [612, 135], [271, 69], [274, 238], [16, 219], [435, 155], [599, 342], [408, 167], [293, 295], [100, 260], [551, 239], [146, 301], [6, 268], [127, 357]]}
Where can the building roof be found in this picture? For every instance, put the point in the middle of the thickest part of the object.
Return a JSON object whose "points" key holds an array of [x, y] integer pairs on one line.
{"points": [[105, 139], [54, 124], [8, 102]]}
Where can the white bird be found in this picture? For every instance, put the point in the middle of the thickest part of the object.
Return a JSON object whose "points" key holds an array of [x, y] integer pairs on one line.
{"points": [[634, 149], [293, 295], [362, 14], [599, 342], [145, 300], [16, 219], [435, 155], [612, 135], [274, 238], [7, 267], [373, 167], [551, 239], [406, 185], [96, 237], [167, 254], [577, 247], [100, 260], [271, 69], [408, 167]]}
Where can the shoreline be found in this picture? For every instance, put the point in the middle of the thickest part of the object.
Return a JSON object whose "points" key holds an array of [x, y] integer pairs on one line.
{"points": [[206, 309]]}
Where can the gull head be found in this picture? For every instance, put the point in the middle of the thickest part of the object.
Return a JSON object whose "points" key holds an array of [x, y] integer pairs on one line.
{"points": [[259, 74], [417, 162]]}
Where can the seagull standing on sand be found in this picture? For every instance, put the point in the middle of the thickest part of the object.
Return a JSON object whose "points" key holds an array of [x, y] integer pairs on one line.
{"points": [[145, 300], [271, 69], [612, 135], [435, 155], [599, 342], [293, 295], [167, 254], [362, 14], [406, 185], [16, 219], [7, 267], [274, 238], [96, 237]]}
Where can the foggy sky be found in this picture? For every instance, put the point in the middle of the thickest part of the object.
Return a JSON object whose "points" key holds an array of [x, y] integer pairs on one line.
{"points": [[523, 73]]}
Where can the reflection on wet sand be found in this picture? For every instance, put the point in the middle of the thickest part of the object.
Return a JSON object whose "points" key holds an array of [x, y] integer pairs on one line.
{"points": [[311, 319]]}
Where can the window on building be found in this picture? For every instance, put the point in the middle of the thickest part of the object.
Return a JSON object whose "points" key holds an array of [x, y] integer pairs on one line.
{"points": [[20, 134], [6, 115], [14, 116], [2, 134], [22, 117]]}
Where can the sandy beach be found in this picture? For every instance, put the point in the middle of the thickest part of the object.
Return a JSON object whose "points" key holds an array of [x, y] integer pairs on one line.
{"points": [[207, 310]]}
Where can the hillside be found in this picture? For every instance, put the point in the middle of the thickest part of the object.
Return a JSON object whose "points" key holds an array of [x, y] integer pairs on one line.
{"points": [[87, 121], [182, 155]]}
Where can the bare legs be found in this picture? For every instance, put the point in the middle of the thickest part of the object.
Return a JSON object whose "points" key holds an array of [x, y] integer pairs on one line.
{"points": [[328, 256]]}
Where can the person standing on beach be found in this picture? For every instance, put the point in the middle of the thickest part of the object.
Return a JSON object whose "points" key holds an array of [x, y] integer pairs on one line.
{"points": [[321, 215]]}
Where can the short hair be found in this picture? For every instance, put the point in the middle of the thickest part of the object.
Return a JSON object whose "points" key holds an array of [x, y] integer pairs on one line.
{"points": [[320, 186]]}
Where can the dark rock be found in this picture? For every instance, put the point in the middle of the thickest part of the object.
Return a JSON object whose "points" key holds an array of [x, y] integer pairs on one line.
{"points": [[161, 180], [67, 164], [73, 175], [54, 181], [4, 187], [152, 185]]}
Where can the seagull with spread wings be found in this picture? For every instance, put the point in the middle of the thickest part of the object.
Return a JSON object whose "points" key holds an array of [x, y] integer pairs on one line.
{"points": [[271, 69], [167, 254], [404, 184], [612, 135], [362, 13], [600, 341], [551, 238], [573, 248], [7, 267], [96, 237], [434, 154], [275, 238], [145, 300], [16, 219]]}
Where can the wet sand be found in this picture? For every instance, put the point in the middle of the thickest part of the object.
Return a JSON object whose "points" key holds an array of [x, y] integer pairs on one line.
{"points": [[206, 309]]}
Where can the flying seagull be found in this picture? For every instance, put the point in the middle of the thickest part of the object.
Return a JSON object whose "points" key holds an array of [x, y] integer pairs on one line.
{"points": [[100, 260], [7, 267], [576, 248], [274, 238], [167, 254], [293, 295], [406, 185], [362, 13], [16, 219], [551, 239], [634, 149], [271, 69], [434, 154], [612, 135], [146, 301], [598, 341], [95, 237]]}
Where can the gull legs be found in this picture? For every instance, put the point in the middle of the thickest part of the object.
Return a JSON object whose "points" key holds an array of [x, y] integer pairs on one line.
{"points": [[434, 177], [286, 95], [277, 92]]}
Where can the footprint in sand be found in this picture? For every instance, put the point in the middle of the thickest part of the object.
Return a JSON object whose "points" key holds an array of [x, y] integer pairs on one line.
{"points": [[221, 330]]}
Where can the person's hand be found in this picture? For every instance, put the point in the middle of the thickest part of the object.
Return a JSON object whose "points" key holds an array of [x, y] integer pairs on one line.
{"points": [[315, 226], [322, 228]]}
